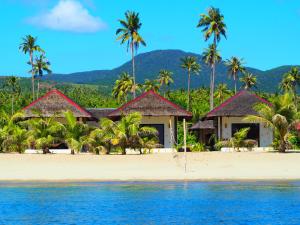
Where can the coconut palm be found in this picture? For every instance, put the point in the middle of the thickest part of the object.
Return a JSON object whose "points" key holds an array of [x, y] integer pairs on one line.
{"points": [[128, 133], [29, 45], [40, 65], [291, 81], [165, 79], [44, 133], [129, 33], [123, 86], [235, 66], [153, 85], [211, 56], [212, 24], [222, 92], [12, 84], [248, 81], [76, 132], [281, 117], [192, 66]]}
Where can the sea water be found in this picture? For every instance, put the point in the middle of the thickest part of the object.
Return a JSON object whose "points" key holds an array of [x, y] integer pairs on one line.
{"points": [[150, 203]]}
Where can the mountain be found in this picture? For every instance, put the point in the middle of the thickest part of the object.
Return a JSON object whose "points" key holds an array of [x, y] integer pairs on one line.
{"points": [[149, 64]]}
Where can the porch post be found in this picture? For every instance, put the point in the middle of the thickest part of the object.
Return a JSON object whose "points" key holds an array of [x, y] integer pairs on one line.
{"points": [[219, 128]]}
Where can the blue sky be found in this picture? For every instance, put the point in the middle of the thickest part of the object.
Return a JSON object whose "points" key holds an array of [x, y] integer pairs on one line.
{"points": [[265, 33]]}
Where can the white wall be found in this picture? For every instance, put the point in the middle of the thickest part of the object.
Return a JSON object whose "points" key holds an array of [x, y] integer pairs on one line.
{"points": [[165, 120], [266, 134]]}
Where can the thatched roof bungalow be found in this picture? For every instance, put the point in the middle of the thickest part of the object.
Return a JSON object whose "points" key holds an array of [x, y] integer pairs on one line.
{"points": [[158, 112], [55, 103], [227, 118]]}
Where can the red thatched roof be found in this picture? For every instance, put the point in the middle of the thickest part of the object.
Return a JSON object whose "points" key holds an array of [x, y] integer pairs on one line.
{"points": [[151, 104], [240, 104], [54, 102]]}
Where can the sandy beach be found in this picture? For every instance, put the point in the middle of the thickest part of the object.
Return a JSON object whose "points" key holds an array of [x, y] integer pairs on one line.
{"points": [[200, 166]]}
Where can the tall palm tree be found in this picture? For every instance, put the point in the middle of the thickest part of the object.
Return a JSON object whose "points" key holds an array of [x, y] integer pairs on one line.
{"points": [[291, 81], [29, 46], [248, 81], [165, 79], [129, 33], [153, 85], [212, 24], [221, 92], [211, 56], [123, 86], [235, 66], [13, 85], [192, 66], [40, 65], [281, 116]]}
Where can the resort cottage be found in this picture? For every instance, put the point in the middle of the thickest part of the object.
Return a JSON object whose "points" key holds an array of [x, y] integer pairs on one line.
{"points": [[228, 118]]}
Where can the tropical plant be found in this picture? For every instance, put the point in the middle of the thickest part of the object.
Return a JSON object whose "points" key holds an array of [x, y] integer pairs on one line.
{"points": [[12, 134], [281, 117], [129, 33], [153, 85], [44, 133], [192, 66], [29, 45], [129, 133], [40, 65], [222, 92], [76, 132], [123, 86], [235, 66], [12, 85], [211, 56], [291, 81], [165, 79], [248, 81]]}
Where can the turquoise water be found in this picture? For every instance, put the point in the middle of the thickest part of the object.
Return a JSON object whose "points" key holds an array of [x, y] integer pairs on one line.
{"points": [[150, 203]]}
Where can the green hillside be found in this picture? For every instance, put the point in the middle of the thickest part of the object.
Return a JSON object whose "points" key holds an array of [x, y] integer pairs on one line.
{"points": [[148, 65]]}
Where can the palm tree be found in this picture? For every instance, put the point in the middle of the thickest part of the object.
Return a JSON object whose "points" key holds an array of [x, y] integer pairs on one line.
{"points": [[129, 33], [128, 133], [44, 133], [235, 66], [249, 81], [29, 45], [290, 82], [13, 85], [75, 132], [211, 56], [281, 117], [40, 65], [192, 66], [213, 25], [153, 85], [165, 79], [221, 92], [123, 86]]}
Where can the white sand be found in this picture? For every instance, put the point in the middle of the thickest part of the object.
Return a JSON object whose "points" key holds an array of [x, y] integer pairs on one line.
{"points": [[200, 166]]}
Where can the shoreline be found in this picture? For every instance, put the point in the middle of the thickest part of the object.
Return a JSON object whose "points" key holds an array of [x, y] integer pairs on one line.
{"points": [[201, 167]]}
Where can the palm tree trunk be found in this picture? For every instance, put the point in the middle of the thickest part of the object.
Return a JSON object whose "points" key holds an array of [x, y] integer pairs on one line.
{"points": [[235, 83], [189, 82], [133, 69], [32, 75], [211, 97], [282, 146], [38, 89]]}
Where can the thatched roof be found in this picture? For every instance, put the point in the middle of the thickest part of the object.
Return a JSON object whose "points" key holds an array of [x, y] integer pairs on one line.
{"points": [[54, 102], [151, 104], [203, 125], [99, 113], [240, 104]]}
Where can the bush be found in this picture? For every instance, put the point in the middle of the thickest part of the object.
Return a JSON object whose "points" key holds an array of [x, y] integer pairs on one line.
{"points": [[198, 147]]}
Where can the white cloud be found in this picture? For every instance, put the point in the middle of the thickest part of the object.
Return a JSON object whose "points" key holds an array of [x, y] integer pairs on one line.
{"points": [[69, 15]]}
